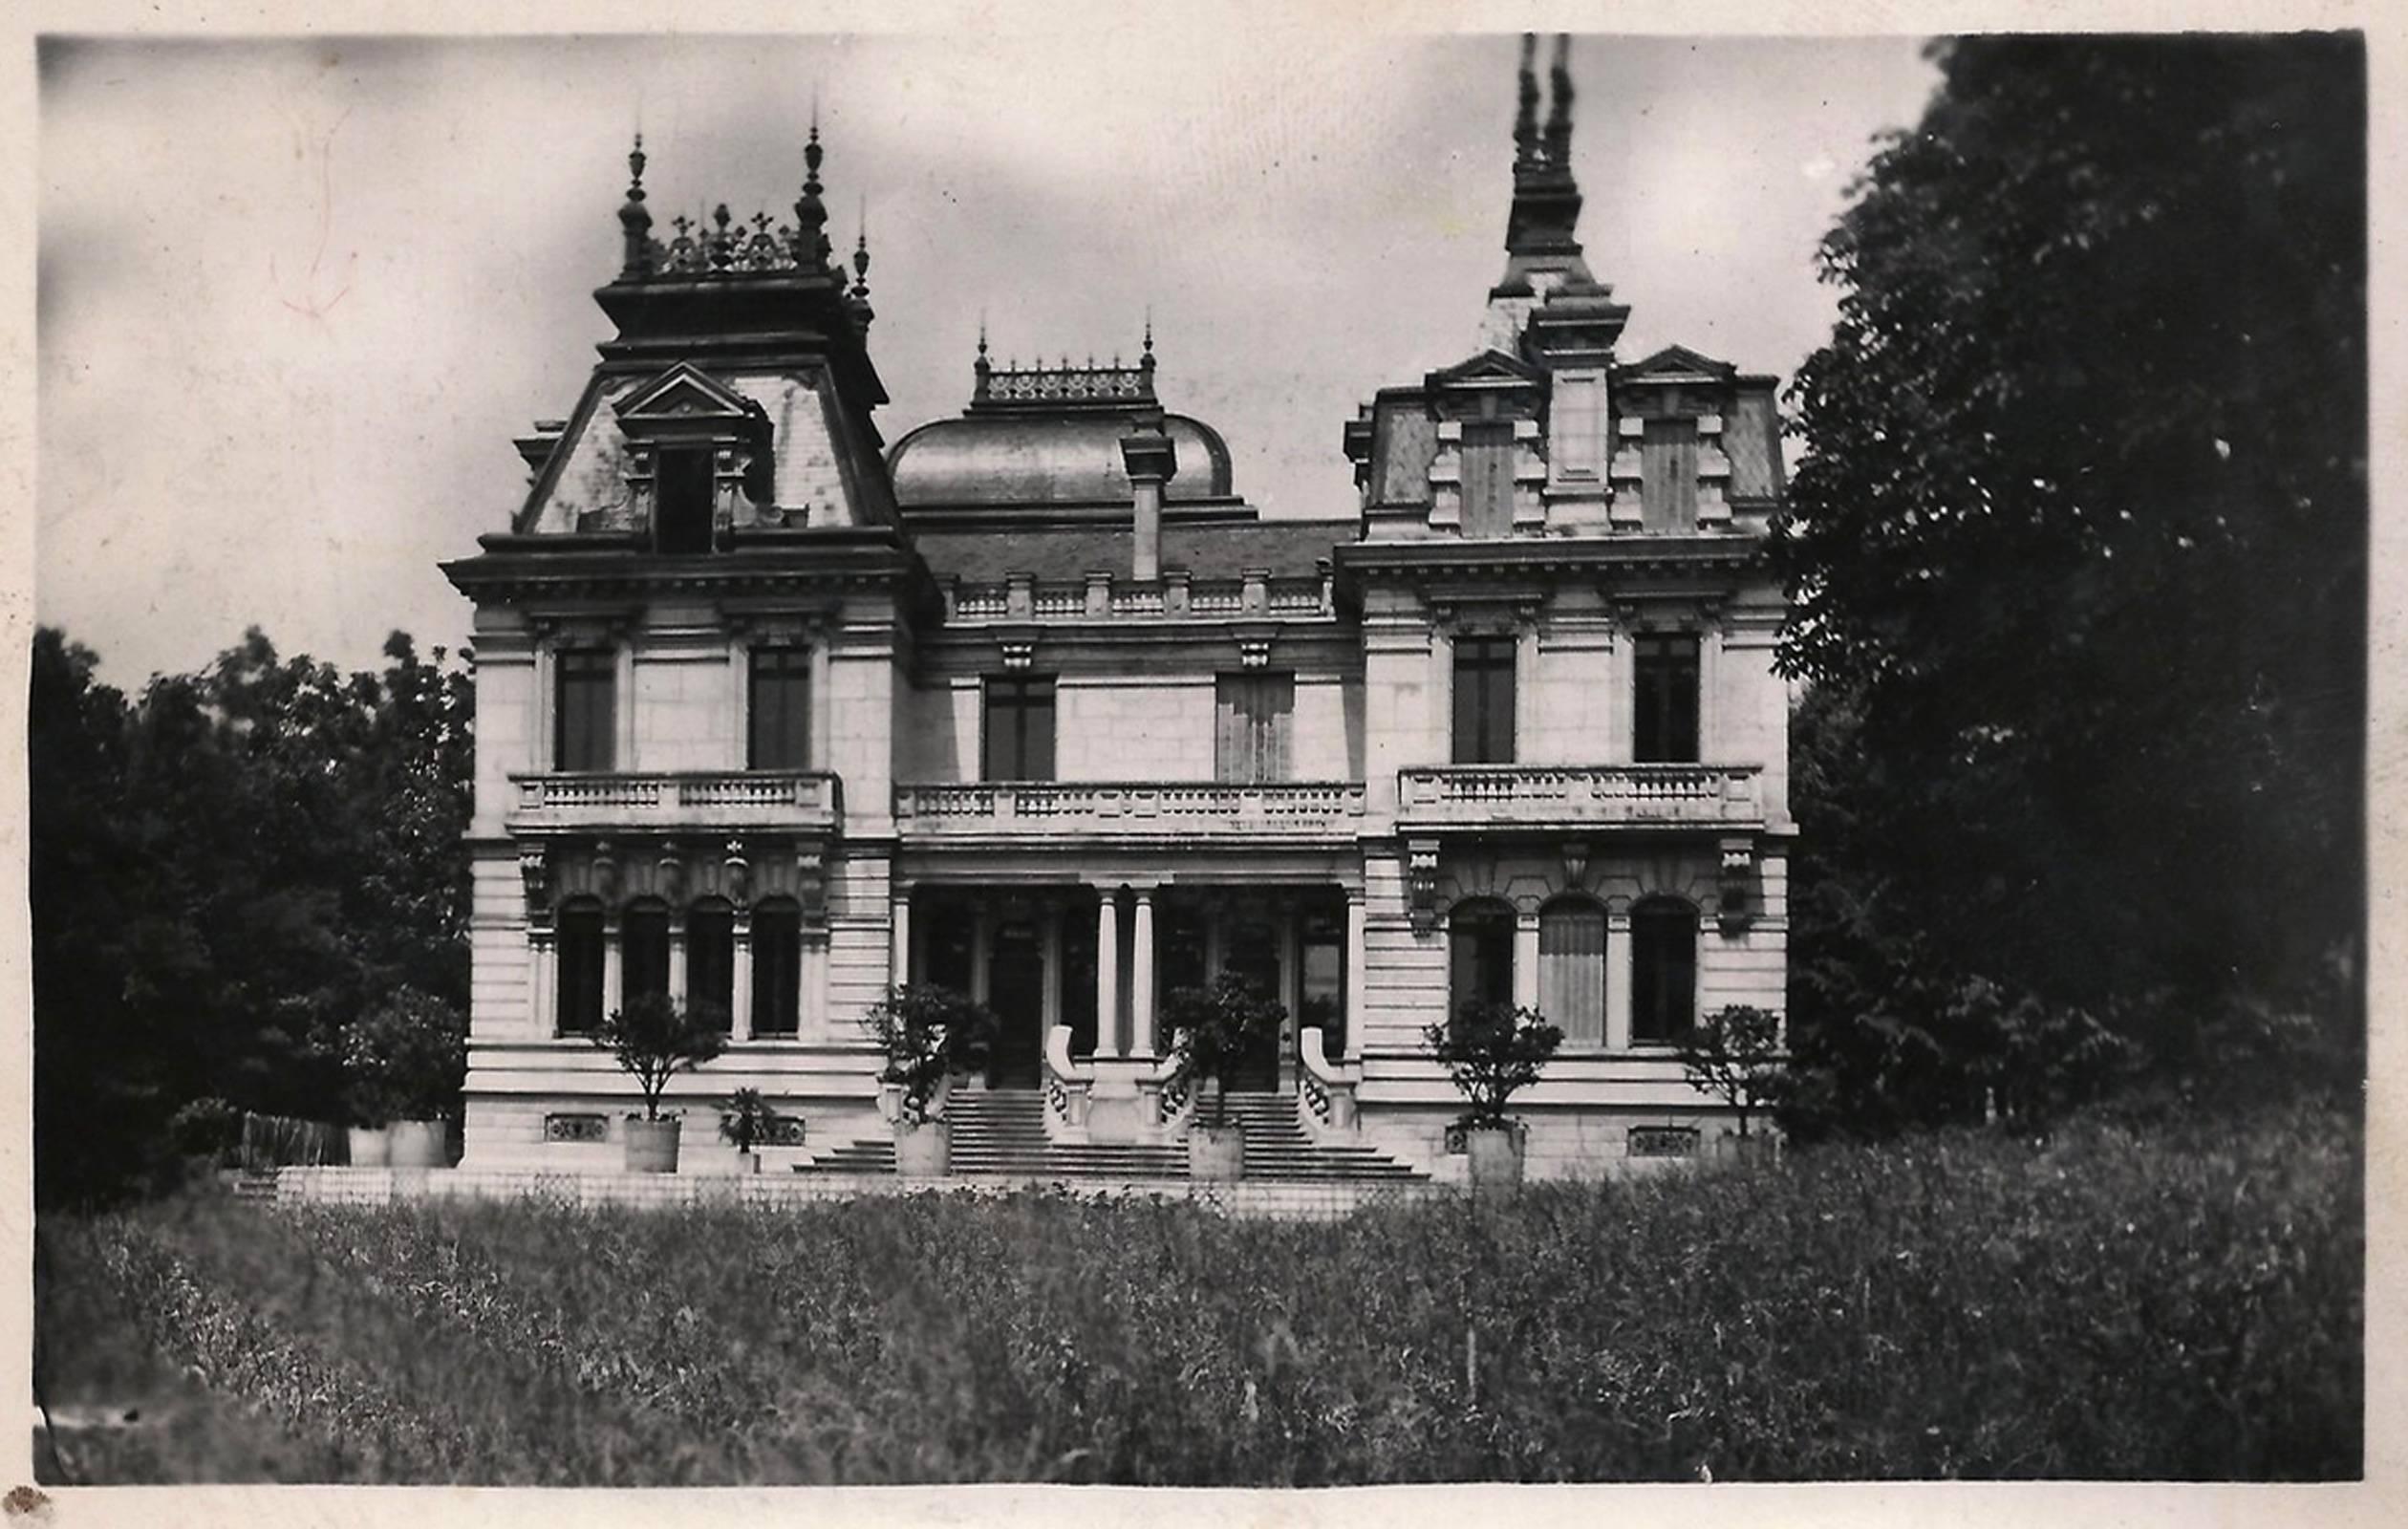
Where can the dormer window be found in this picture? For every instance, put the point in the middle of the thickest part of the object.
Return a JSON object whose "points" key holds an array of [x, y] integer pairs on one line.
{"points": [[682, 523]]}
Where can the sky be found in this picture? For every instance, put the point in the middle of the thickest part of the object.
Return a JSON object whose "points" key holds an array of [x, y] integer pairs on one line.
{"points": [[295, 298]]}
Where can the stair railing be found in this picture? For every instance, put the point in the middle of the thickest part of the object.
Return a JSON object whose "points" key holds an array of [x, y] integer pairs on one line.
{"points": [[1325, 1089], [1068, 1084], [1166, 1095]]}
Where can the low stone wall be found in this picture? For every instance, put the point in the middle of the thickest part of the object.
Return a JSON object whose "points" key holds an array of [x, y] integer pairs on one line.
{"points": [[385, 1186]]}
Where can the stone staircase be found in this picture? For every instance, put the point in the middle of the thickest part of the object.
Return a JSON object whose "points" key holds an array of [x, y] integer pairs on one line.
{"points": [[1002, 1134]]}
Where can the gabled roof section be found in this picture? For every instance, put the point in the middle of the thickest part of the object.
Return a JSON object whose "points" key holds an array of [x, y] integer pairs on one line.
{"points": [[1677, 363], [684, 393], [1490, 366]]}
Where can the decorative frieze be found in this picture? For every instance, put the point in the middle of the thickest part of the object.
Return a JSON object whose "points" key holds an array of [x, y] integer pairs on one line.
{"points": [[1421, 883]]}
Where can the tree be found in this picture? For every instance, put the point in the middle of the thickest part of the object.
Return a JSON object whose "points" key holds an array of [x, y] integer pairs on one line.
{"points": [[1735, 1055], [1492, 1051], [1216, 1028], [654, 1038], [928, 1033], [2077, 548]]}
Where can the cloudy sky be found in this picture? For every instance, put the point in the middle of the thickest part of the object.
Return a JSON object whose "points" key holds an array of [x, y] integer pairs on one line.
{"points": [[295, 298]]}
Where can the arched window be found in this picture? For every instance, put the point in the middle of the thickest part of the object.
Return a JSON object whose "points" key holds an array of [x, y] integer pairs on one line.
{"points": [[1662, 970], [711, 960], [777, 972], [1572, 969], [580, 964], [644, 950], [1480, 954]]}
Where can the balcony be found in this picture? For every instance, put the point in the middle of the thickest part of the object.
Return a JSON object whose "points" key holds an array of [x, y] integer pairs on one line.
{"points": [[1061, 809], [1578, 796], [811, 800]]}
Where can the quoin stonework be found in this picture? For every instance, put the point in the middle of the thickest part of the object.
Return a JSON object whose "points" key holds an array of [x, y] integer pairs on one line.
{"points": [[1032, 703]]}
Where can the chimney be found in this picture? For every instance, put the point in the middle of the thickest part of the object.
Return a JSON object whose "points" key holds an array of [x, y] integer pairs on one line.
{"points": [[1152, 461]]}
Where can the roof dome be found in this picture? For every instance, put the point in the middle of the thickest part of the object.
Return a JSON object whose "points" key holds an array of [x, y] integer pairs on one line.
{"points": [[1045, 458]]}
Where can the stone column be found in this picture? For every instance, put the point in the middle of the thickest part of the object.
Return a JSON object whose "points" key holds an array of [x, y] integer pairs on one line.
{"points": [[613, 971], [899, 925], [1358, 921], [543, 967], [1141, 978], [623, 698], [810, 1005], [1526, 957], [740, 697], [982, 946], [1049, 1000], [740, 995], [1108, 972], [677, 964], [1617, 981], [820, 746]]}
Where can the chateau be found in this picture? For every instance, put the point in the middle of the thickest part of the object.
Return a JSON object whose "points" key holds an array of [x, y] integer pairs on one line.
{"points": [[1034, 703]]}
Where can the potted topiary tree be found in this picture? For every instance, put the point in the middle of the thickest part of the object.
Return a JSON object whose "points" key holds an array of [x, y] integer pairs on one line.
{"points": [[1492, 1051], [1735, 1055], [404, 1064], [928, 1033], [653, 1040], [748, 1121], [1215, 1028]]}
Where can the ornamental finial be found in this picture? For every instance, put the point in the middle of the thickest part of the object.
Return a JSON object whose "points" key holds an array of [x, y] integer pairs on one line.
{"points": [[1526, 114], [635, 220], [1559, 105], [810, 213], [861, 253]]}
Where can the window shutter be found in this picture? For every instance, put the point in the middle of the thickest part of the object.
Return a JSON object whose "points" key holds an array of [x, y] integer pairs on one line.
{"points": [[1572, 971]]}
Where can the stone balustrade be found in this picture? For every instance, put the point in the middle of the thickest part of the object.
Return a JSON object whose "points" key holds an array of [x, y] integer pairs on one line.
{"points": [[1175, 596], [1068, 1085], [1287, 809], [1475, 796], [1326, 1089], [806, 799]]}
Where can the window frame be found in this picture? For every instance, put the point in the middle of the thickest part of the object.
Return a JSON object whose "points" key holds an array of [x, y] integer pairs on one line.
{"points": [[1554, 918], [711, 921], [693, 528], [1650, 918], [578, 921], [1661, 731], [1480, 661], [1254, 726], [592, 674], [777, 940], [792, 673], [1022, 689], [1475, 919]]}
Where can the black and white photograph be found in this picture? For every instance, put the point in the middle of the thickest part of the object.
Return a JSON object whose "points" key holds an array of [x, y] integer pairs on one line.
{"points": [[1200, 748]]}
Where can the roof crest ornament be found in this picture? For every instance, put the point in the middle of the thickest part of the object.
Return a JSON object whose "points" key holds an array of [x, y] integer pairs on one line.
{"points": [[636, 219]]}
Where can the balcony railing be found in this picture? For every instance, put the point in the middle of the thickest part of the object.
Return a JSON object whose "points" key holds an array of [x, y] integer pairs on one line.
{"points": [[747, 799], [1057, 809], [1578, 795], [1174, 596]]}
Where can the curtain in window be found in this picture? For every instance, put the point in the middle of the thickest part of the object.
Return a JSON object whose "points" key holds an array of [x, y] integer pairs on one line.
{"points": [[1254, 727], [582, 711], [1572, 971]]}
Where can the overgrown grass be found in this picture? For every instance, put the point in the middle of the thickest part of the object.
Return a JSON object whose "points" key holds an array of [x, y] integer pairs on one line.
{"points": [[2182, 1305]]}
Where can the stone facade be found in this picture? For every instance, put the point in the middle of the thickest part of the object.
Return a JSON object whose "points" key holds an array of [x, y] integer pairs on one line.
{"points": [[1034, 703]]}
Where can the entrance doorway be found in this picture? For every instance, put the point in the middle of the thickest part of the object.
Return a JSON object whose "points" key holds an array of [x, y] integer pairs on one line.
{"points": [[1016, 994]]}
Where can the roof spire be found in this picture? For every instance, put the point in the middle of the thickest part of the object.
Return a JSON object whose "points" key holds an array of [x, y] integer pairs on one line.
{"points": [[1145, 360], [810, 213], [635, 220], [861, 252], [1526, 114], [1559, 104]]}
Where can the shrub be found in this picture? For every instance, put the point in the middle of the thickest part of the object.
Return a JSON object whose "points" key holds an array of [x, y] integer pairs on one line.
{"points": [[749, 1120], [654, 1038], [405, 1059], [1735, 1056], [207, 1128], [1492, 1051], [1215, 1027], [928, 1033]]}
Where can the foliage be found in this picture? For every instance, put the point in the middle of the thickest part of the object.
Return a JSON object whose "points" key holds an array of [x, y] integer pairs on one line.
{"points": [[405, 1059], [1492, 1051], [1735, 1055], [224, 870], [2077, 547], [749, 1120], [2095, 1304], [1216, 1028], [928, 1033], [207, 1128], [655, 1038]]}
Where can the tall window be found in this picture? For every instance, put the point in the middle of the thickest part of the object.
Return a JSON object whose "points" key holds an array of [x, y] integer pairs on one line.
{"points": [[584, 721], [1484, 701], [1322, 985], [1255, 720], [1662, 970], [1019, 728], [1488, 478], [778, 709], [1572, 969], [682, 509], [1480, 954], [580, 964], [1664, 726], [711, 961], [644, 950], [777, 975], [1667, 482]]}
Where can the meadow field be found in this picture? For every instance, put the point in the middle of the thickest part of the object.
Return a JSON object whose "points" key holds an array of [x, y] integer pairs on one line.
{"points": [[2180, 1302]]}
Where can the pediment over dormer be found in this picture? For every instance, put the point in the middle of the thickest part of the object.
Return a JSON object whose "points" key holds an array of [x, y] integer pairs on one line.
{"points": [[685, 395], [1677, 363], [1488, 369]]}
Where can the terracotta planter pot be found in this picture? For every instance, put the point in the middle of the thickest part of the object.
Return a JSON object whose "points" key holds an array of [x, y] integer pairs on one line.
{"points": [[371, 1147], [652, 1146], [923, 1150], [749, 1162], [1497, 1158], [420, 1144], [1216, 1153]]}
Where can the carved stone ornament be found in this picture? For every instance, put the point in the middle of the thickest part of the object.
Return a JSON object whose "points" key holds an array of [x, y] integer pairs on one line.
{"points": [[1254, 652], [1018, 653], [606, 872], [1738, 874], [810, 882], [736, 879], [671, 873], [1421, 883], [1575, 858], [535, 878]]}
